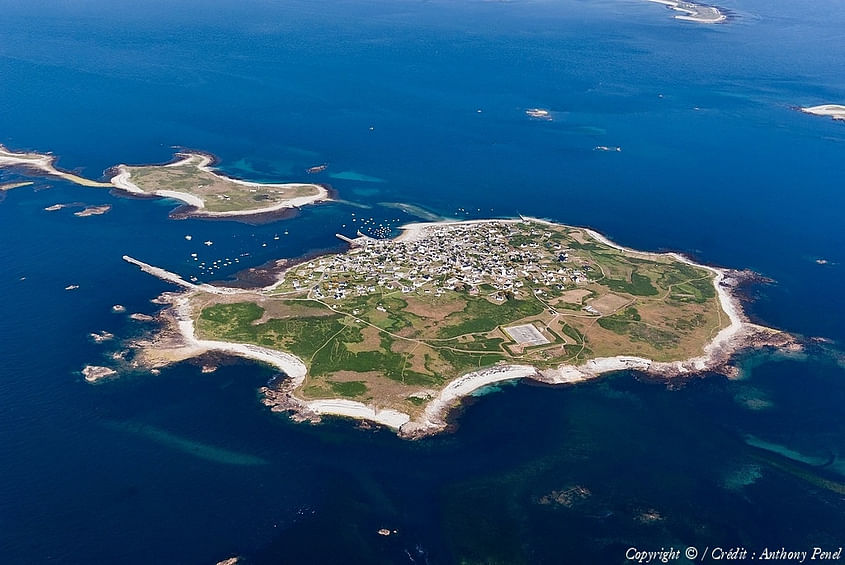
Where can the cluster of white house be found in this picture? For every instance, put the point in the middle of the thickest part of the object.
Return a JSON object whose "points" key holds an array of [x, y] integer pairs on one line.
{"points": [[449, 257]]}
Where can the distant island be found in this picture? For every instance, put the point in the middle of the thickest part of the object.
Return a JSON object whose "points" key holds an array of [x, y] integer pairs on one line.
{"points": [[397, 331], [538, 113], [206, 192], [835, 111], [692, 12]]}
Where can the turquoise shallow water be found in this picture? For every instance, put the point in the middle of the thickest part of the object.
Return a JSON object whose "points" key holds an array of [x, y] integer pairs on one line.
{"points": [[189, 468]]}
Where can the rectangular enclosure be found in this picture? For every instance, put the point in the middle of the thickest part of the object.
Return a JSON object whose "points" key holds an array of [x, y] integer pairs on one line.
{"points": [[526, 334]]}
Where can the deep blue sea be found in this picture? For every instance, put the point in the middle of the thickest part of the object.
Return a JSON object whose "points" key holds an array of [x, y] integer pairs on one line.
{"points": [[419, 102]]}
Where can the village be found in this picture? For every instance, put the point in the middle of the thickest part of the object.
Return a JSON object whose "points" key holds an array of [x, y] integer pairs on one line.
{"points": [[500, 260]]}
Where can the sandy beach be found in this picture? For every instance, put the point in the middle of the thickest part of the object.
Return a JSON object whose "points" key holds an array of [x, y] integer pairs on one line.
{"points": [[436, 411], [359, 411], [291, 365]]}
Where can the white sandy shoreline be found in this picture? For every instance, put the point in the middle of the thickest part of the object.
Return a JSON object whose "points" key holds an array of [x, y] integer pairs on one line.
{"points": [[434, 417], [291, 365]]}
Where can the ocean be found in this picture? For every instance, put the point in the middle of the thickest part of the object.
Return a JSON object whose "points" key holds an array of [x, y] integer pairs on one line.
{"points": [[420, 103]]}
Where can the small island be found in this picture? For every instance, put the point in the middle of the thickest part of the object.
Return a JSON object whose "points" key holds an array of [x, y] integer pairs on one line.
{"points": [[190, 179], [93, 211], [693, 12], [210, 194], [97, 373], [397, 331], [835, 111]]}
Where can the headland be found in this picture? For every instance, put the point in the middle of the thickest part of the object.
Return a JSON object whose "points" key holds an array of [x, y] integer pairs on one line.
{"points": [[398, 331]]}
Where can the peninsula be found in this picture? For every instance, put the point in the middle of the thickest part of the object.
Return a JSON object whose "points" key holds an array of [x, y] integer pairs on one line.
{"points": [[190, 179], [835, 111], [397, 331], [692, 12]]}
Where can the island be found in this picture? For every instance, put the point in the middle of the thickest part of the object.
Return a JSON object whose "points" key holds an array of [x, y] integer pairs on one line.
{"points": [[210, 194], [190, 179], [835, 111], [398, 331], [692, 12]]}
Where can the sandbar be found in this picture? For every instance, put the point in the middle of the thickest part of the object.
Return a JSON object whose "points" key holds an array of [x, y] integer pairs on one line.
{"points": [[43, 163]]}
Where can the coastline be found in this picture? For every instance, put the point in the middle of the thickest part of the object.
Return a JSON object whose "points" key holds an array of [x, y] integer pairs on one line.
{"points": [[292, 366], [739, 334]]}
